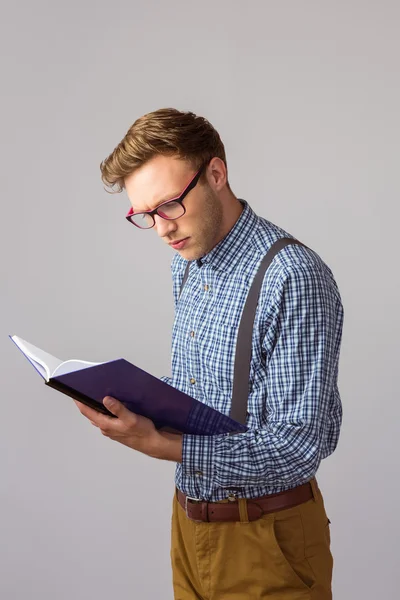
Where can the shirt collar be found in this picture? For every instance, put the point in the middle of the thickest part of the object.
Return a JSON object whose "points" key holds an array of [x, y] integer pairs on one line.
{"points": [[226, 254]]}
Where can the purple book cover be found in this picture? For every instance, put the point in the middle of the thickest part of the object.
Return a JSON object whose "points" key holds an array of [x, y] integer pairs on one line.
{"points": [[144, 394], [139, 391]]}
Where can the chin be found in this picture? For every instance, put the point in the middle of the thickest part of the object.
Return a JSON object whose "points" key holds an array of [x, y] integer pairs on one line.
{"points": [[189, 254], [194, 251]]}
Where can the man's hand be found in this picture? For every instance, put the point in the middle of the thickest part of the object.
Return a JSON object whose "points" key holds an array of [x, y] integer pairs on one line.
{"points": [[132, 430]]}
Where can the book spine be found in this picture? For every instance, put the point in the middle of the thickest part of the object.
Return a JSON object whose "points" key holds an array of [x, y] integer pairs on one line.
{"points": [[65, 389]]}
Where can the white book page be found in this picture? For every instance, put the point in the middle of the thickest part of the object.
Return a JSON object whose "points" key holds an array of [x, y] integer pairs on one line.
{"points": [[43, 362], [46, 364], [69, 366]]}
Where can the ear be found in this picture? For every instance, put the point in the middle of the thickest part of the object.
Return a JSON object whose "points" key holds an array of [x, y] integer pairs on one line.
{"points": [[217, 174]]}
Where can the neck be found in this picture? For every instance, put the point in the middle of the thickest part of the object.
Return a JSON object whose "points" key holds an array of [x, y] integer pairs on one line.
{"points": [[232, 210]]}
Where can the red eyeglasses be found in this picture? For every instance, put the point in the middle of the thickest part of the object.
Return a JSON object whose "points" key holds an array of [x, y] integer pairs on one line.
{"points": [[170, 210]]}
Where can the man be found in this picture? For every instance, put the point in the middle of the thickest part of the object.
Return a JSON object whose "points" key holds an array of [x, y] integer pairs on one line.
{"points": [[248, 516]]}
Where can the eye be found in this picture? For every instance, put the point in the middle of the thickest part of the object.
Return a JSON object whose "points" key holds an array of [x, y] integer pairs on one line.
{"points": [[171, 210]]}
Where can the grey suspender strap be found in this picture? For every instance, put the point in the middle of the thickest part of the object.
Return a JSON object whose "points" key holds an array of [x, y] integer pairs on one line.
{"points": [[245, 334], [241, 375]]}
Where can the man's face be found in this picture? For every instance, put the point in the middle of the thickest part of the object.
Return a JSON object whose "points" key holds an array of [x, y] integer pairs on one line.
{"points": [[164, 178]]}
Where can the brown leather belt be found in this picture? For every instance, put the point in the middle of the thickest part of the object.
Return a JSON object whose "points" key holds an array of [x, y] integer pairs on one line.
{"points": [[200, 510]]}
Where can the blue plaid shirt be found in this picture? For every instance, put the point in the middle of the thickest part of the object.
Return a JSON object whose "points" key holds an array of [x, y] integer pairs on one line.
{"points": [[294, 406]]}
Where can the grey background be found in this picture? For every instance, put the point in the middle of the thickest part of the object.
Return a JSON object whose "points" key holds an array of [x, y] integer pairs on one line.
{"points": [[306, 97]]}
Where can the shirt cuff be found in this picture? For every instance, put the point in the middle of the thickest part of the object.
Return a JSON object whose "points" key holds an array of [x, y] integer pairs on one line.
{"points": [[166, 379], [197, 457]]}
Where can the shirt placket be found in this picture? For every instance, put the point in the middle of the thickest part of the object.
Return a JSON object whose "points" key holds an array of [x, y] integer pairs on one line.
{"points": [[195, 325]]}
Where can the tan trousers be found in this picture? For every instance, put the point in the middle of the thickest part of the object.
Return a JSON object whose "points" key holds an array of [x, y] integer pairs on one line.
{"points": [[282, 556]]}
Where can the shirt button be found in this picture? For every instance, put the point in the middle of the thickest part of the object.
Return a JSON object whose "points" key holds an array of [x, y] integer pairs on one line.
{"points": [[192, 380], [192, 334], [199, 473], [206, 287]]}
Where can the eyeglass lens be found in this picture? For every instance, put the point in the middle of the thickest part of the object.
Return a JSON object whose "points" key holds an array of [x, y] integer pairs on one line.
{"points": [[170, 210]]}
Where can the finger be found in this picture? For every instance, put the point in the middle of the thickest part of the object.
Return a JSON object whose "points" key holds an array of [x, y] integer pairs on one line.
{"points": [[119, 410], [94, 416]]}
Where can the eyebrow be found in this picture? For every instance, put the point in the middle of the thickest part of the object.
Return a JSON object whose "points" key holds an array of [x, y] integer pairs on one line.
{"points": [[165, 199], [169, 197]]}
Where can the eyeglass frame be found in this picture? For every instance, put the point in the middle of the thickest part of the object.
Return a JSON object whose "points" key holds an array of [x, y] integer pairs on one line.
{"points": [[192, 183]]}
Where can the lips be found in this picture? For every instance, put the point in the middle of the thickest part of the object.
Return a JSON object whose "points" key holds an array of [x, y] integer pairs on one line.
{"points": [[175, 242], [179, 244]]}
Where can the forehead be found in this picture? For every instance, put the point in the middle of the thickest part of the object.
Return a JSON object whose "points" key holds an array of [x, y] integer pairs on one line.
{"points": [[160, 179]]}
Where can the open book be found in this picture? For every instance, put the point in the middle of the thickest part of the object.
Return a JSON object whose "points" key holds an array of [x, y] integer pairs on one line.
{"points": [[142, 393]]}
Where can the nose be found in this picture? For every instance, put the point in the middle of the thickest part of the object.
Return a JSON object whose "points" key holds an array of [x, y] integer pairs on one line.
{"points": [[164, 227]]}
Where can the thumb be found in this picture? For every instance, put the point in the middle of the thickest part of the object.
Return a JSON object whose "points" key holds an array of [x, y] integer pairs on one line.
{"points": [[116, 407]]}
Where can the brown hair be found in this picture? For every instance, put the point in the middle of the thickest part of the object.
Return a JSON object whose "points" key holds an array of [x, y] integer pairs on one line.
{"points": [[166, 131]]}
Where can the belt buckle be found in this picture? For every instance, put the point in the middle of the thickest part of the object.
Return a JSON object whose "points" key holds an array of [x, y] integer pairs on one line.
{"points": [[192, 500]]}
